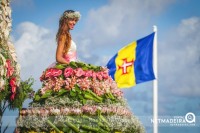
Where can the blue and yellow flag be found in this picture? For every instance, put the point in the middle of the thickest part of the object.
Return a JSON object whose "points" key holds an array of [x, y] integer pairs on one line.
{"points": [[133, 63]]}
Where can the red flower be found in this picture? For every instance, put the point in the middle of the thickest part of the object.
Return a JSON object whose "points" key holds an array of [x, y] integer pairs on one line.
{"points": [[68, 72], [12, 97], [53, 72], [10, 69], [13, 85]]}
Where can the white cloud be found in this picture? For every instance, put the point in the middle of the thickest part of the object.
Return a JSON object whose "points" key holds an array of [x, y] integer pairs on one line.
{"points": [[35, 48], [111, 25], [179, 60], [118, 19]]}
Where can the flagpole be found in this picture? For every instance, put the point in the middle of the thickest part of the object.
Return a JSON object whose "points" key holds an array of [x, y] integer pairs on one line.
{"points": [[155, 83]]}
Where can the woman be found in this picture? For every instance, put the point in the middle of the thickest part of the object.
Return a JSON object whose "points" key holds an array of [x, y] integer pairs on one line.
{"points": [[66, 49]]}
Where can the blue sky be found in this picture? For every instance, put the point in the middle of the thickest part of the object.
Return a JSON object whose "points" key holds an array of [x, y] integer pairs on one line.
{"points": [[104, 28]]}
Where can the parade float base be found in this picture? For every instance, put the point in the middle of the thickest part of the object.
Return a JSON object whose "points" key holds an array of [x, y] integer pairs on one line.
{"points": [[78, 98]]}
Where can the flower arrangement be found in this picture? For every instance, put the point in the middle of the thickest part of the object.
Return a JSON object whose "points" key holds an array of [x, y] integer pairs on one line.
{"points": [[78, 97], [12, 89], [91, 110], [78, 80], [80, 124], [75, 14]]}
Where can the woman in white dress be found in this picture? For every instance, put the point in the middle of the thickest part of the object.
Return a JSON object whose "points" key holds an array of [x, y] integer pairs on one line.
{"points": [[66, 48]]}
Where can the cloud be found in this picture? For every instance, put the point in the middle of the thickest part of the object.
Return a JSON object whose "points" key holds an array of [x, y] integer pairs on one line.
{"points": [[35, 48], [179, 68], [109, 27], [120, 19], [179, 61]]}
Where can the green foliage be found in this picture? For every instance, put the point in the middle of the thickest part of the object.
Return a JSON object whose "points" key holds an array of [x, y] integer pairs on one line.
{"points": [[75, 65], [83, 124], [75, 94]]}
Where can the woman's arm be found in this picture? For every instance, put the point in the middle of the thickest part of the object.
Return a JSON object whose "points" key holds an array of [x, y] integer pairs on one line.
{"points": [[59, 52]]}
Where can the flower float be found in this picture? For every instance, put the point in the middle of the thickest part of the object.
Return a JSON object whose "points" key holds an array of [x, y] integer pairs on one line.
{"points": [[78, 97]]}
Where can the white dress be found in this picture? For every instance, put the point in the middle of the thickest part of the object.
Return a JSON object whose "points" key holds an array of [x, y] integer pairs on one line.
{"points": [[71, 54]]}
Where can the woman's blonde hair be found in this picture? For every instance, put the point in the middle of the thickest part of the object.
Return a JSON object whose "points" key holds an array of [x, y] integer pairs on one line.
{"points": [[63, 34]]}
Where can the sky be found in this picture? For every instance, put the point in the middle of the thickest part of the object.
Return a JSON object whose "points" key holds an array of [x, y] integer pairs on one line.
{"points": [[105, 27]]}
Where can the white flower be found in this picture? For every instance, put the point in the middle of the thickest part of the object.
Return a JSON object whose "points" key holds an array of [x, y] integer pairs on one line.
{"points": [[2, 83], [12, 51], [3, 60], [5, 24], [99, 108], [8, 11], [55, 111], [2, 66], [76, 111], [2, 70], [72, 15], [66, 110], [17, 71], [18, 68]]}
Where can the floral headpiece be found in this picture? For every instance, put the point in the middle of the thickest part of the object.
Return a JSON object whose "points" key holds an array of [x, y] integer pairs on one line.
{"points": [[74, 14]]}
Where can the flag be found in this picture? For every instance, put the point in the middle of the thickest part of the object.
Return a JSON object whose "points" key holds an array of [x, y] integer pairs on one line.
{"points": [[133, 64]]}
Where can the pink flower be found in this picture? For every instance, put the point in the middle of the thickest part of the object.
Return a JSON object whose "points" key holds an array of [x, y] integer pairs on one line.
{"points": [[79, 72], [84, 83], [43, 90], [70, 82], [94, 75], [113, 85], [88, 73], [76, 111], [10, 69], [64, 111], [8, 62], [98, 91], [99, 76], [104, 75], [68, 72], [58, 84], [67, 84], [89, 109], [13, 85], [53, 72], [117, 92]]}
